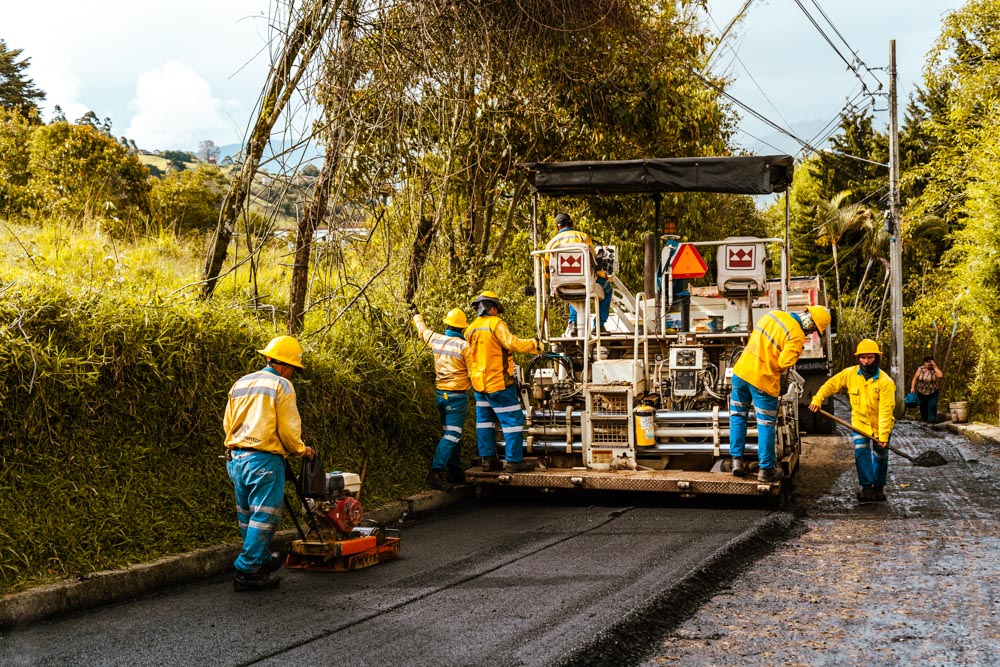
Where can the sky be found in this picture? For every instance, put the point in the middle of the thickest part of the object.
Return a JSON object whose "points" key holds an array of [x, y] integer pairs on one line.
{"points": [[783, 67], [172, 74], [168, 74]]}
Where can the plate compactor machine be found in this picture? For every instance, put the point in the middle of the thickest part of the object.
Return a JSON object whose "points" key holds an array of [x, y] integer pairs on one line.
{"points": [[338, 538]]}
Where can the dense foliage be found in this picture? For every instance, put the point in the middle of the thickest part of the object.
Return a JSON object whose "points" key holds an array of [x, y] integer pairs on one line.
{"points": [[113, 396]]}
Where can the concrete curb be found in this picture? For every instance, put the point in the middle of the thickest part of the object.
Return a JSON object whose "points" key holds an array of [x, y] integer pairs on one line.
{"points": [[109, 586], [978, 432]]}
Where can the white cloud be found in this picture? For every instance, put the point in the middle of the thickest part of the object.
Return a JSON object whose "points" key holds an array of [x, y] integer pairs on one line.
{"points": [[175, 109]]}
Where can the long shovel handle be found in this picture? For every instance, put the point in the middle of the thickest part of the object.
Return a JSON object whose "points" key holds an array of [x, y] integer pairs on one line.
{"points": [[860, 432]]}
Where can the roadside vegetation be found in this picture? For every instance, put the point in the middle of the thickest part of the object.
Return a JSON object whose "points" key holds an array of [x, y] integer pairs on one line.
{"points": [[135, 289]]}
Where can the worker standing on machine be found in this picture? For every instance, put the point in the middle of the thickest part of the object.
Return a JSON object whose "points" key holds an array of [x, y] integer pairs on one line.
{"points": [[451, 362], [774, 347], [491, 370], [567, 234], [873, 402], [262, 426]]}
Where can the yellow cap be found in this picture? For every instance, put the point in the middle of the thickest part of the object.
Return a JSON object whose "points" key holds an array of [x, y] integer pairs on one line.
{"points": [[284, 349], [456, 318], [867, 346]]}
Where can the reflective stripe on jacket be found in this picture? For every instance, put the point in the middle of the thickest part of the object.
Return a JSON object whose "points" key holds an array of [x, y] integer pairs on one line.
{"points": [[262, 415], [571, 235], [491, 366], [872, 401], [774, 346], [451, 357]]}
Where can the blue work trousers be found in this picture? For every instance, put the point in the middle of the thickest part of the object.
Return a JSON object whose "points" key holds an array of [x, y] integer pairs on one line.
{"points": [[871, 461], [259, 483], [504, 407], [603, 306], [452, 407], [743, 396]]}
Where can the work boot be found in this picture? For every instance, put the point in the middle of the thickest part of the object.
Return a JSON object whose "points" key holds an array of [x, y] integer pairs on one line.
{"points": [[880, 494], [520, 466], [455, 475], [739, 467], [274, 563], [436, 480], [770, 474], [867, 494], [255, 581], [490, 464]]}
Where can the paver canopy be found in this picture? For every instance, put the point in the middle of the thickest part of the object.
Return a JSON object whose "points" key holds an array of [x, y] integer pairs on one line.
{"points": [[742, 175]]}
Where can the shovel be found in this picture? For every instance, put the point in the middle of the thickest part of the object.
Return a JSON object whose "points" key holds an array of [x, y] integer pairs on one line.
{"points": [[928, 459]]}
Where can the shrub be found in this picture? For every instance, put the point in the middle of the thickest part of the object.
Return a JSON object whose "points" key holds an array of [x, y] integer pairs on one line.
{"points": [[78, 172], [189, 200]]}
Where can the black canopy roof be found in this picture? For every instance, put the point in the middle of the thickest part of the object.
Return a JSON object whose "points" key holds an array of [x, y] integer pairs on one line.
{"points": [[741, 175]]}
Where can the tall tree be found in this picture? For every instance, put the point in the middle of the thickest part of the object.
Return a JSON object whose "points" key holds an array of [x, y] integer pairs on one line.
{"points": [[303, 38], [17, 91]]}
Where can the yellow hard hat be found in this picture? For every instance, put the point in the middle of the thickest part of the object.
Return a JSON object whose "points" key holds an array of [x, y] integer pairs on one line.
{"points": [[284, 349], [867, 346], [820, 316], [489, 296], [456, 318]]}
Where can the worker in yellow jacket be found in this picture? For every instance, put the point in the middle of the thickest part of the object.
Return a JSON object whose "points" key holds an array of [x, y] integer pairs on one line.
{"points": [[873, 402], [451, 367], [774, 347], [262, 427], [491, 370]]}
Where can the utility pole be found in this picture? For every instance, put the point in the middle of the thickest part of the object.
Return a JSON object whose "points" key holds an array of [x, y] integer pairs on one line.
{"points": [[896, 241]]}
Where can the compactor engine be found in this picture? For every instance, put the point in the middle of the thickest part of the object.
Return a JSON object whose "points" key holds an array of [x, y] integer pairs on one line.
{"points": [[338, 537]]}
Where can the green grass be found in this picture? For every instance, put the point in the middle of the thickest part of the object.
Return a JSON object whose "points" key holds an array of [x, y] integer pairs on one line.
{"points": [[114, 380]]}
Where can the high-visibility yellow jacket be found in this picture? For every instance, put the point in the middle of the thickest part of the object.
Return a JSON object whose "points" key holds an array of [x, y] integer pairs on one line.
{"points": [[872, 401], [571, 235], [774, 347], [451, 357], [261, 414], [491, 365]]}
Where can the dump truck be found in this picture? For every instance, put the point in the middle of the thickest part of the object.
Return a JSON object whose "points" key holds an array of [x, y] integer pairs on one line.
{"points": [[642, 404]]}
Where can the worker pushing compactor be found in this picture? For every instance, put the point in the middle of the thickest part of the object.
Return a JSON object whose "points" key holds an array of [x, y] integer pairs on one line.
{"points": [[262, 426], [774, 346]]}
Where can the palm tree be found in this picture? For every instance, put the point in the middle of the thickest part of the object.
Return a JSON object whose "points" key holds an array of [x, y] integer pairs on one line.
{"points": [[875, 246], [835, 220]]}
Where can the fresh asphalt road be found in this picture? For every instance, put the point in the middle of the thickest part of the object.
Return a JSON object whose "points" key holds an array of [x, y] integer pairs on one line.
{"points": [[515, 581]]}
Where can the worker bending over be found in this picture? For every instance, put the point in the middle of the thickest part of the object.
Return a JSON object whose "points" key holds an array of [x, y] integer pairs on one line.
{"points": [[491, 370], [451, 362], [774, 347], [873, 400], [262, 427]]}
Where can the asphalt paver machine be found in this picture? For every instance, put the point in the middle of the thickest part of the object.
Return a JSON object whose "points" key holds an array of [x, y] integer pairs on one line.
{"points": [[643, 404]]}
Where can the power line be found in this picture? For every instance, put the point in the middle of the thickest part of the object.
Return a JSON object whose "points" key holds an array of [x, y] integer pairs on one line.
{"points": [[836, 50], [854, 53]]}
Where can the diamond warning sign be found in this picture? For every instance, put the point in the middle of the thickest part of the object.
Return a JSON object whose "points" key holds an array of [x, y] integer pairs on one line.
{"points": [[688, 262]]}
